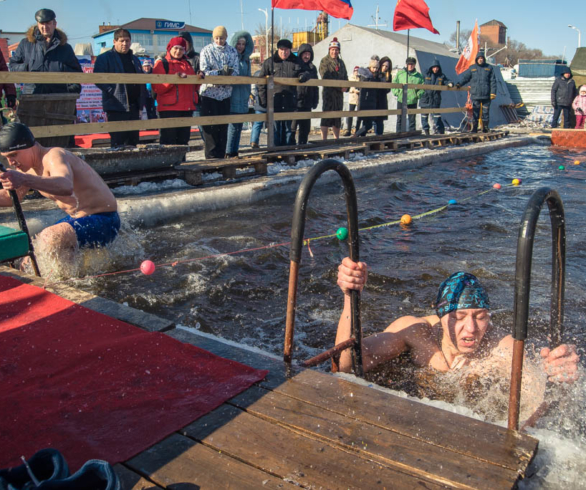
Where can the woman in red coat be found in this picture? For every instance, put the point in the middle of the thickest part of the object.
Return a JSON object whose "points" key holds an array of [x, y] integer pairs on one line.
{"points": [[175, 100]]}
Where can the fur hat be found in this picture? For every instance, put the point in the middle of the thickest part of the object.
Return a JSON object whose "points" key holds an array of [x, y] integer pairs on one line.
{"points": [[334, 43], [284, 43], [220, 31]]}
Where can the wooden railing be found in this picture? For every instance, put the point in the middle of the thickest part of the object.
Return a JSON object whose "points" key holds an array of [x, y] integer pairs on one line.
{"points": [[269, 117]]}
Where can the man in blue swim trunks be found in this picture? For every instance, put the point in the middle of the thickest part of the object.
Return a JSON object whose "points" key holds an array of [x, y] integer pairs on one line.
{"points": [[75, 187], [446, 341]]}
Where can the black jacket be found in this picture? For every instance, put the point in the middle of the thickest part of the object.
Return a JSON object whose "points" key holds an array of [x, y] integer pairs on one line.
{"points": [[482, 81], [433, 98], [368, 100], [114, 97], [563, 91], [58, 56], [382, 94], [285, 95], [307, 97]]}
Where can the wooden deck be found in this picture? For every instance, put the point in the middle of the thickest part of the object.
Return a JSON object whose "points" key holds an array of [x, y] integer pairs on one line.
{"points": [[315, 430], [254, 163]]}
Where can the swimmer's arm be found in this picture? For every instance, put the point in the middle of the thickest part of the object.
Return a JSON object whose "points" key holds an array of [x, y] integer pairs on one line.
{"points": [[376, 349], [58, 182]]}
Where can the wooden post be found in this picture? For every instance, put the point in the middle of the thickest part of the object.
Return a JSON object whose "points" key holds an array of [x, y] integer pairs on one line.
{"points": [[271, 112], [404, 109]]}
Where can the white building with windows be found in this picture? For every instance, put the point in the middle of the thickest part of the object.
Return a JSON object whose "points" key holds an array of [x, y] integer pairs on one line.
{"points": [[152, 34]]}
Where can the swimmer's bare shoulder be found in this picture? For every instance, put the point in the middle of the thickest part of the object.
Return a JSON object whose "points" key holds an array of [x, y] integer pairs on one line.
{"points": [[418, 335], [57, 162]]}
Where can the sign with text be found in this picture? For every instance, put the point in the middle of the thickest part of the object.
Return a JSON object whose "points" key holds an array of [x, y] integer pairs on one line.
{"points": [[169, 24]]}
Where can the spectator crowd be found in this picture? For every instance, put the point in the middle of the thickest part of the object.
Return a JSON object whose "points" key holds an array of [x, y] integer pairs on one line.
{"points": [[45, 49]]}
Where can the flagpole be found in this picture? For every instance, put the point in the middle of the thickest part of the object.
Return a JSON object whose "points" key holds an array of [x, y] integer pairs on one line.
{"points": [[408, 31]]}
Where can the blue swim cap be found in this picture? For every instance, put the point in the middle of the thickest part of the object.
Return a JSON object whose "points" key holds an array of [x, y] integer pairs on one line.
{"points": [[460, 291]]}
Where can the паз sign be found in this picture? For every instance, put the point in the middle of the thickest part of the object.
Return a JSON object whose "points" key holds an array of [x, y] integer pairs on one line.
{"points": [[169, 24]]}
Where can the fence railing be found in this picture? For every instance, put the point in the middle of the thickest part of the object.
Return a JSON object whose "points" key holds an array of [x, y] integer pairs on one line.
{"points": [[269, 117]]}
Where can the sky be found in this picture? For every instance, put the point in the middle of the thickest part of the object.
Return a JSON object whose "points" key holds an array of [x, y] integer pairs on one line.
{"points": [[536, 23]]}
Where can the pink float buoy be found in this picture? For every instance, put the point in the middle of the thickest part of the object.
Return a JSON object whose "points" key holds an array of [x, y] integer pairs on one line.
{"points": [[496, 186], [147, 267]]}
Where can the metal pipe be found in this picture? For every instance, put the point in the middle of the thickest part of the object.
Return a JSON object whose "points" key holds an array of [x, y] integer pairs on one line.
{"points": [[297, 242], [525, 241], [458, 36], [23, 226]]}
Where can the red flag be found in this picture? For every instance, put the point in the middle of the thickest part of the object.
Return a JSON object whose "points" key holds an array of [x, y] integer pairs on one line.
{"points": [[341, 9], [411, 14], [470, 51]]}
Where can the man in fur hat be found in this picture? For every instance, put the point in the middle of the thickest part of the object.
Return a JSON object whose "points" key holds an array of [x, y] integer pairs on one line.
{"points": [[45, 49]]}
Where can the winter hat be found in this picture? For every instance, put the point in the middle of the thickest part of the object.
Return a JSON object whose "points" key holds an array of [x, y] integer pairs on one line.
{"points": [[220, 31], [334, 43], [583, 90], [45, 15], [147, 62], [15, 136], [177, 41], [356, 68], [284, 43], [410, 61]]}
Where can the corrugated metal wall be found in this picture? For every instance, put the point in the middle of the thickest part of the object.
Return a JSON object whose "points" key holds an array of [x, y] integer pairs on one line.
{"points": [[532, 92]]}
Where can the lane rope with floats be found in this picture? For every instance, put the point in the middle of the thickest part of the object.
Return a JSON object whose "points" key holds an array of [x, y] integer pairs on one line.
{"points": [[148, 267]]}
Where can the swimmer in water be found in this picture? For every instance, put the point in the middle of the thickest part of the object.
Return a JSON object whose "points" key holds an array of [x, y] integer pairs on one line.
{"points": [[92, 215], [445, 341]]}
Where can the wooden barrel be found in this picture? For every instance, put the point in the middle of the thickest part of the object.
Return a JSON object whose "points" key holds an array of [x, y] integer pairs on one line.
{"points": [[48, 110]]}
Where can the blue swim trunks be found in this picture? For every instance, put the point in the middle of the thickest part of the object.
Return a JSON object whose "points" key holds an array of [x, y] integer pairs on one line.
{"points": [[95, 230]]}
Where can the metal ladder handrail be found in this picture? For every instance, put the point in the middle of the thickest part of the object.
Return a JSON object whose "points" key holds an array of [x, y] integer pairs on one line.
{"points": [[523, 285], [297, 241]]}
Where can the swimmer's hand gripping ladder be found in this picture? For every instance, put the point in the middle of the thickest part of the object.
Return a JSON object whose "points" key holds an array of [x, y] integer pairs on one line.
{"points": [[523, 287], [297, 242], [23, 225]]}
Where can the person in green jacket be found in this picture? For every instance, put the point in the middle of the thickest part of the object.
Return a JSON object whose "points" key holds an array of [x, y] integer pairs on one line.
{"points": [[408, 75]]}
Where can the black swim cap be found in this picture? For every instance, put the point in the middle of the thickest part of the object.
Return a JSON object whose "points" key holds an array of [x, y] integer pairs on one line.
{"points": [[15, 136]]}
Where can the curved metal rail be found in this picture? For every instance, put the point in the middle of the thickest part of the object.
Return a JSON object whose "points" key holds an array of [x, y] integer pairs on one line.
{"points": [[23, 226], [523, 285], [297, 242]]}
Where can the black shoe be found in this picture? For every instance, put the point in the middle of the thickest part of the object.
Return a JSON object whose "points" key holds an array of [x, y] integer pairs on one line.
{"points": [[45, 465], [93, 475], [426, 131]]}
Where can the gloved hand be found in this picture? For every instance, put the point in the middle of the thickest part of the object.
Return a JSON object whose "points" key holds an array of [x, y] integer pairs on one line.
{"points": [[458, 85], [201, 75], [492, 96], [450, 85], [11, 101], [227, 71], [304, 77], [579, 111]]}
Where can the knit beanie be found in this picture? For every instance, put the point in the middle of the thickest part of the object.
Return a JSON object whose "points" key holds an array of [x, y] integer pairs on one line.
{"points": [[334, 43], [220, 31], [177, 41]]}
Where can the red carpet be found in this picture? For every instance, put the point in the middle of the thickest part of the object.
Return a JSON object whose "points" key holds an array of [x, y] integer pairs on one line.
{"points": [[95, 387]]}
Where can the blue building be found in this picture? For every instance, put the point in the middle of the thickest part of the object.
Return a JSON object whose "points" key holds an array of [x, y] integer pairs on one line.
{"points": [[152, 34]]}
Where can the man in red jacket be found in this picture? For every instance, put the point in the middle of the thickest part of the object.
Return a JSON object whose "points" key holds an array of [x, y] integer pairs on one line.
{"points": [[7, 88]]}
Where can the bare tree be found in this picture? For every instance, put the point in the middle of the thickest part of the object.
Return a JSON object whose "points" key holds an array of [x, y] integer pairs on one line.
{"points": [[464, 36], [260, 30]]}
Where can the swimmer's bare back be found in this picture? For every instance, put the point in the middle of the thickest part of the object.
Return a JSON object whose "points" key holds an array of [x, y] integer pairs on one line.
{"points": [[91, 195]]}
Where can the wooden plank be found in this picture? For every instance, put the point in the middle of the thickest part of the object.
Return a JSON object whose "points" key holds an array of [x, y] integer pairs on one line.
{"points": [[94, 78], [301, 460], [445, 110], [455, 432], [387, 447], [129, 480], [178, 462]]}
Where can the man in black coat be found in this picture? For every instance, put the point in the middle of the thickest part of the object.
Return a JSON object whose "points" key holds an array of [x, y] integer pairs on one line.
{"points": [[432, 99], [482, 82], [563, 93], [45, 49], [369, 98], [122, 102], [283, 64], [307, 97]]}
